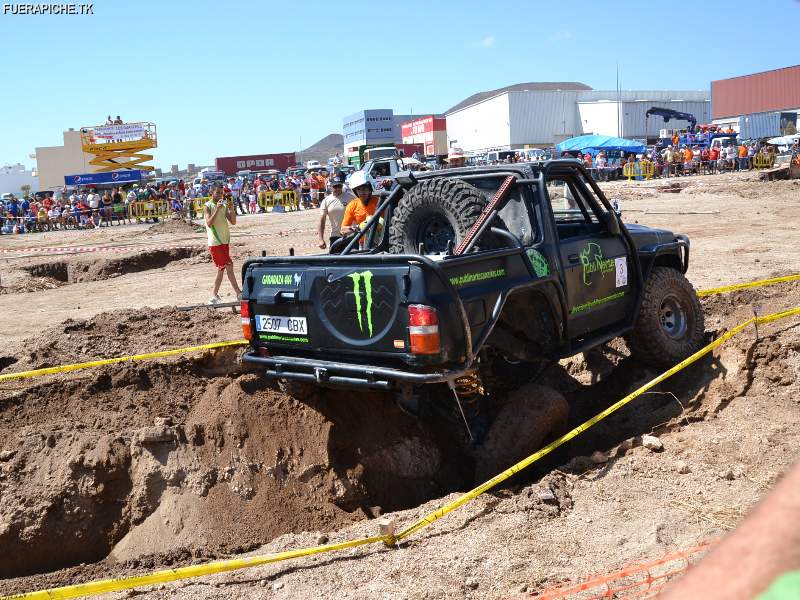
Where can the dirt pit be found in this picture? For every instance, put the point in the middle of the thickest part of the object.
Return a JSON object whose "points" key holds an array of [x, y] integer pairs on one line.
{"points": [[200, 456], [190, 455], [173, 226], [62, 272], [119, 333]]}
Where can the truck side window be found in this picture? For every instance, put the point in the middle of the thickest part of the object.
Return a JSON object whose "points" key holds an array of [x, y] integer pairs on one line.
{"points": [[572, 208], [514, 216]]}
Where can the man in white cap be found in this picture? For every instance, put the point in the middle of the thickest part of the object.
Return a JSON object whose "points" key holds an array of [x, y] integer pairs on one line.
{"points": [[455, 158], [333, 207]]}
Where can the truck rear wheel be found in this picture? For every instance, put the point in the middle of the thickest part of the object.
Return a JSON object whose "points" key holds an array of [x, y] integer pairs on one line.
{"points": [[434, 212], [670, 324], [530, 415]]}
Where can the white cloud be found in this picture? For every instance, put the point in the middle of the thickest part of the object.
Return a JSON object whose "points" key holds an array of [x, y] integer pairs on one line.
{"points": [[562, 35], [487, 42]]}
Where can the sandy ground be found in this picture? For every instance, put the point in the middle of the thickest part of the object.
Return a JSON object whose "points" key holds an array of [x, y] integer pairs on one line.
{"points": [[230, 464]]}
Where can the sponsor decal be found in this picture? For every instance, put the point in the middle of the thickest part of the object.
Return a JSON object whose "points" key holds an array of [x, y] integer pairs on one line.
{"points": [[593, 261], [366, 305], [539, 263], [467, 278], [275, 337], [621, 267], [281, 279], [596, 302]]}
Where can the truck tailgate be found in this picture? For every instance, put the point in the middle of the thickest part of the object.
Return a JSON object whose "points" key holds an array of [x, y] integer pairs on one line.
{"points": [[330, 307]]}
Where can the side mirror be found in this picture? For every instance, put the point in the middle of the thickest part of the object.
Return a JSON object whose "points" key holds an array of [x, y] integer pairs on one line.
{"points": [[612, 224]]}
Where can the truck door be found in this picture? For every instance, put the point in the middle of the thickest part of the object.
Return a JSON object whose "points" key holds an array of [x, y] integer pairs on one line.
{"points": [[595, 261]]}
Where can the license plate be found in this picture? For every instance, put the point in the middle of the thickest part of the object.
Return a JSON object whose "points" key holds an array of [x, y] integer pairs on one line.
{"points": [[292, 325]]}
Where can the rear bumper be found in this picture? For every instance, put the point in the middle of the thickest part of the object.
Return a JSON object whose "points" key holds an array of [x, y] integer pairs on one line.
{"points": [[337, 374]]}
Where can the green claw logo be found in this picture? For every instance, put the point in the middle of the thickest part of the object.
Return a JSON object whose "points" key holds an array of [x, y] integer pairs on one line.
{"points": [[366, 276], [593, 262], [539, 263]]}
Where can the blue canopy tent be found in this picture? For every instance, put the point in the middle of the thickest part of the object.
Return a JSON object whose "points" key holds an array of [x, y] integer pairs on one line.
{"points": [[595, 143]]}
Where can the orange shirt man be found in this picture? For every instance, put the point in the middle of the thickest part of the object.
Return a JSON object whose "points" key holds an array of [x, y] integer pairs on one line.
{"points": [[357, 212]]}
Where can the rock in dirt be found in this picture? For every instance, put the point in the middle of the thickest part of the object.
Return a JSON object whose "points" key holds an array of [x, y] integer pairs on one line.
{"points": [[472, 583], [7, 455], [683, 468], [155, 435], [547, 496], [651, 442], [599, 458]]}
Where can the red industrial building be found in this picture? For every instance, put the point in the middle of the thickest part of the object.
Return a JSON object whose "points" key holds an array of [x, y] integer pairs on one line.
{"points": [[255, 162], [758, 105], [431, 131]]}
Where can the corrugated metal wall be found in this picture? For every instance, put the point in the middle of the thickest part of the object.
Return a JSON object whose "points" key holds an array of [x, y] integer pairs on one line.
{"points": [[760, 125], [480, 126], [542, 118], [761, 92], [633, 117], [649, 95]]}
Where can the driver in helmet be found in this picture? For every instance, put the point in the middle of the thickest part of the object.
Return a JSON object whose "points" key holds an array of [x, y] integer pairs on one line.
{"points": [[362, 207]]}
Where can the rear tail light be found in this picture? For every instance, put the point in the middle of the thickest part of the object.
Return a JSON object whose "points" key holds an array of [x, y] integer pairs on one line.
{"points": [[423, 329], [247, 327]]}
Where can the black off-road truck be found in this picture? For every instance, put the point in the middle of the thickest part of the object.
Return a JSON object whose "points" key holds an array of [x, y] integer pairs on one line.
{"points": [[462, 287]]}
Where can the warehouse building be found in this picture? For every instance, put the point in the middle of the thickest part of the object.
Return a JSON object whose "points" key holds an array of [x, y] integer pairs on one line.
{"points": [[54, 162], [373, 127], [760, 105], [544, 114]]}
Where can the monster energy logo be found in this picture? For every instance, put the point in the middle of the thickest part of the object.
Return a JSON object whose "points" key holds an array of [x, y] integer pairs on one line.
{"points": [[357, 278]]}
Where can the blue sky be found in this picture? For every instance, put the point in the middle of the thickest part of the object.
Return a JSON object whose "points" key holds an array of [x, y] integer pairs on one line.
{"points": [[241, 77]]}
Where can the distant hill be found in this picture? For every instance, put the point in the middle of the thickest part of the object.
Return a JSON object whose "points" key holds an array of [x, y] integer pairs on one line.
{"points": [[323, 149], [532, 85]]}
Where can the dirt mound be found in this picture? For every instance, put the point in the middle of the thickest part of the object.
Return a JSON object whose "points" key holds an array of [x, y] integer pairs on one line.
{"points": [[121, 333], [173, 226], [63, 271], [146, 459]]}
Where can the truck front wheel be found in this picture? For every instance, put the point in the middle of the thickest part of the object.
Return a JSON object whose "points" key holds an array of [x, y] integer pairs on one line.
{"points": [[670, 323]]}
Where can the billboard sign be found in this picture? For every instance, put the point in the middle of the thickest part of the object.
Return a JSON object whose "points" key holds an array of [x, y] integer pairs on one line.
{"points": [[126, 131], [113, 177], [254, 162]]}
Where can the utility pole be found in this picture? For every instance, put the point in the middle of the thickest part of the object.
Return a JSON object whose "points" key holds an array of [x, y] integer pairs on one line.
{"points": [[618, 102]]}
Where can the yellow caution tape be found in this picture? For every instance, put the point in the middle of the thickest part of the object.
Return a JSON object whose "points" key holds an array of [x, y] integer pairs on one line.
{"points": [[438, 514], [151, 355], [119, 359], [749, 284], [124, 583]]}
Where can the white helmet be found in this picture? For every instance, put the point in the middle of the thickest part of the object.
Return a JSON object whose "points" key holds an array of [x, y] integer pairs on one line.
{"points": [[358, 179]]}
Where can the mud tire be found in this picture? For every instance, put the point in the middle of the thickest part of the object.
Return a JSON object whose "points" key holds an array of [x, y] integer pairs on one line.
{"points": [[530, 416], [663, 336], [299, 390], [433, 211]]}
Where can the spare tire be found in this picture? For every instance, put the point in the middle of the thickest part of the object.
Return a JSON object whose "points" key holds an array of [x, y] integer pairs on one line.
{"points": [[434, 212]]}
